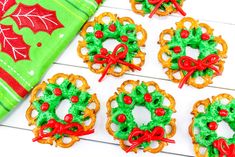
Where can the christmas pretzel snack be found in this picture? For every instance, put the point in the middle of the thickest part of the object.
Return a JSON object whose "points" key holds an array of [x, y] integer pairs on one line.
{"points": [[33, 33], [49, 126], [121, 122], [197, 70]]}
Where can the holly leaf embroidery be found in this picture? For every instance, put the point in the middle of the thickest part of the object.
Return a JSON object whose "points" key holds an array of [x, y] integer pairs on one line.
{"points": [[5, 5], [36, 18], [13, 44]]}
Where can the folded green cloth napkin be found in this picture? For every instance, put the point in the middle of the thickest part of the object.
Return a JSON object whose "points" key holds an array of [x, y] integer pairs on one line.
{"points": [[33, 33]]}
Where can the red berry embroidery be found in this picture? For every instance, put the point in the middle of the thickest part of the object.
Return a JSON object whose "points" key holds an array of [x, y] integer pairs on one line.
{"points": [[68, 118], [177, 49], [212, 125], [160, 112], [124, 38], [74, 99], [127, 100], [39, 44], [121, 118], [148, 97], [57, 91], [103, 51], [205, 36], [45, 106], [223, 113], [184, 34], [112, 28], [99, 34]]}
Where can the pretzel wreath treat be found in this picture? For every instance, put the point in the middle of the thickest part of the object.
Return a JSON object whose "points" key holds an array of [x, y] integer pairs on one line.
{"points": [[125, 31], [49, 127], [184, 69], [158, 7], [132, 136], [205, 123]]}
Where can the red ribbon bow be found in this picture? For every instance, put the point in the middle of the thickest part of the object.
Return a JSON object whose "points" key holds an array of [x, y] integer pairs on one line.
{"points": [[158, 4], [191, 65], [224, 148], [114, 58], [59, 128], [146, 136]]}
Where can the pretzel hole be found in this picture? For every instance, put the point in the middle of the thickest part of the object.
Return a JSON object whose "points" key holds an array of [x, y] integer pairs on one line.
{"points": [[204, 30], [39, 93], [222, 126], [91, 106], [106, 20], [34, 113], [154, 144], [187, 24], [196, 130], [128, 88], [166, 102], [199, 80], [136, 61], [165, 56], [151, 89], [201, 108], [139, 35], [117, 69], [167, 37], [79, 83], [138, 6], [114, 104], [202, 150], [224, 101], [88, 121], [219, 47], [192, 52], [177, 75], [62, 108], [60, 80], [84, 51], [96, 66], [127, 143], [66, 140], [168, 129], [139, 117], [114, 127], [90, 29]]}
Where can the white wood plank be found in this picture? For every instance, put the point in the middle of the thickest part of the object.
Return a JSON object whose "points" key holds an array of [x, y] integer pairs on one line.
{"points": [[211, 10], [152, 67], [15, 142], [184, 100]]}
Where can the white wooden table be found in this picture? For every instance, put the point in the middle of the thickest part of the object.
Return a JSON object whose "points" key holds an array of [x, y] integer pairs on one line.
{"points": [[16, 136]]}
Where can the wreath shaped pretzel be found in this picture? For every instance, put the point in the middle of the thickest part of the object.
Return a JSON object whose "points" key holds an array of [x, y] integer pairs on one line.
{"points": [[112, 62], [49, 128], [128, 130]]}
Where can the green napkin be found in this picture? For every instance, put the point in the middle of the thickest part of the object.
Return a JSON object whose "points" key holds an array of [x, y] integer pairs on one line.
{"points": [[33, 33]]}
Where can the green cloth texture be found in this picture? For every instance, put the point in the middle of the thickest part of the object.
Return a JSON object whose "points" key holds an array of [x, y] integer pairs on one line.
{"points": [[33, 33]]}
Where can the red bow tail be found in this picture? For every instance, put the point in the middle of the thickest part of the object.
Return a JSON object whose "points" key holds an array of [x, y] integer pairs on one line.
{"points": [[146, 136], [191, 65], [224, 148], [114, 58], [158, 4], [59, 128]]}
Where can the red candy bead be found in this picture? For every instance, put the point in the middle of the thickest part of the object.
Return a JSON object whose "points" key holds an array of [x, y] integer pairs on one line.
{"points": [[148, 97], [99, 34], [205, 36], [127, 100], [212, 125], [68, 118], [103, 51], [160, 112], [45, 106], [124, 38], [184, 34], [112, 28], [57, 91], [177, 49], [121, 118], [74, 99], [223, 113]]}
